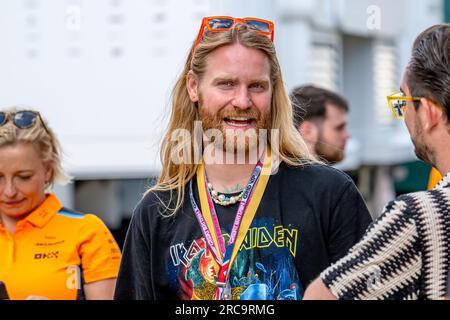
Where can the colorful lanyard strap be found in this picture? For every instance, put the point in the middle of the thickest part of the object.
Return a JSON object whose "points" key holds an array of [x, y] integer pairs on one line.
{"points": [[208, 221]]}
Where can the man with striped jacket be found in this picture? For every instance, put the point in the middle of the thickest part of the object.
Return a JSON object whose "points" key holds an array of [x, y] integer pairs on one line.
{"points": [[405, 253]]}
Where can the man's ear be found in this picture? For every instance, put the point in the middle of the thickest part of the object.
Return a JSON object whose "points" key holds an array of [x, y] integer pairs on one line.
{"points": [[430, 114], [192, 86], [309, 131]]}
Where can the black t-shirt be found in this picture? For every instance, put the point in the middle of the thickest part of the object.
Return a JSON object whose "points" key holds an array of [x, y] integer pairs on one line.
{"points": [[308, 218]]}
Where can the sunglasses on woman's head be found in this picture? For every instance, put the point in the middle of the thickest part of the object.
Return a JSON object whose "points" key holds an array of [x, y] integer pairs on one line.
{"points": [[21, 119]]}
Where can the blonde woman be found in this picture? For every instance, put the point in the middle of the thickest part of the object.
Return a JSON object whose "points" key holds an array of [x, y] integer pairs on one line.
{"points": [[46, 250], [223, 227]]}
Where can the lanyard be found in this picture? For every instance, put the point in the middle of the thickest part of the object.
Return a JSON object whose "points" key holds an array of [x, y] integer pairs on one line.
{"points": [[208, 221]]}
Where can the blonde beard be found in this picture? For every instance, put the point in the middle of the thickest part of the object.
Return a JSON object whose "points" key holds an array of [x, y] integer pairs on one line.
{"points": [[235, 141]]}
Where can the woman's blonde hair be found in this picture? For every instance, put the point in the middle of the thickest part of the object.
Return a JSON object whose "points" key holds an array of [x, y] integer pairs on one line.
{"points": [[292, 149], [42, 136]]}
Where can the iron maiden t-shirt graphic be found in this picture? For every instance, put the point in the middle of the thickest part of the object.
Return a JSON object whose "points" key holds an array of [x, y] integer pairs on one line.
{"points": [[264, 268]]}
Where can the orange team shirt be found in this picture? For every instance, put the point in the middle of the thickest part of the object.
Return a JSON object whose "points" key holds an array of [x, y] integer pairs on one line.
{"points": [[54, 251]]}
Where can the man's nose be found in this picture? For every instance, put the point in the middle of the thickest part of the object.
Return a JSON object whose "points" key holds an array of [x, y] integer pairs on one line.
{"points": [[242, 98], [347, 135]]}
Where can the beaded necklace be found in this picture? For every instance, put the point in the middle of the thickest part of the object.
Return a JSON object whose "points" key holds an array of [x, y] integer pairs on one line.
{"points": [[223, 199]]}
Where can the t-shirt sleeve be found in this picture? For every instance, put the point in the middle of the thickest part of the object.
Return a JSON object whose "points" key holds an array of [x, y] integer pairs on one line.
{"points": [[134, 281], [99, 252], [383, 261], [348, 222]]}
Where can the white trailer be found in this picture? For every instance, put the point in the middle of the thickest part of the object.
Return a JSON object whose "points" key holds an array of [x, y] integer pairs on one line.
{"points": [[101, 72]]}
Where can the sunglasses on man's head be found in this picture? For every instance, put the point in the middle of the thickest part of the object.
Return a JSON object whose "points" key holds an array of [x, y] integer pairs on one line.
{"points": [[224, 23], [21, 119]]}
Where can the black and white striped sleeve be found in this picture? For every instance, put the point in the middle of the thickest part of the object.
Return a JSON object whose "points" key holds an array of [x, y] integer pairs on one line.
{"points": [[385, 264]]}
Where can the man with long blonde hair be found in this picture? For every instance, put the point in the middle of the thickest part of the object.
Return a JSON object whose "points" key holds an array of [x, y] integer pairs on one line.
{"points": [[241, 210]]}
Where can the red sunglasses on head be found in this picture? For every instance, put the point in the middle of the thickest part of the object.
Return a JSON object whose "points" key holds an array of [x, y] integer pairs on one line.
{"points": [[224, 23]]}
